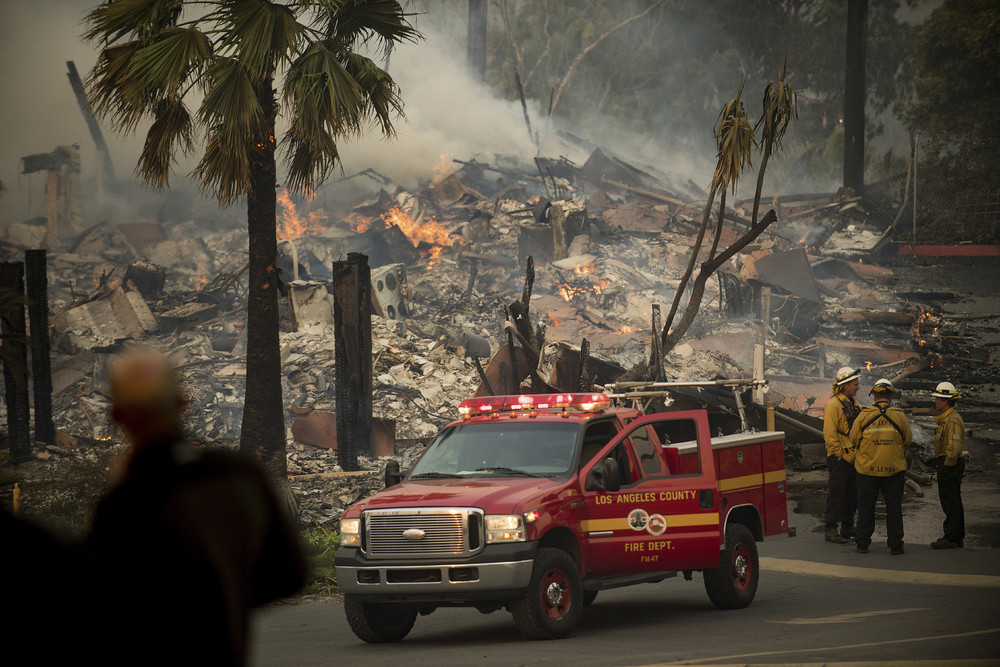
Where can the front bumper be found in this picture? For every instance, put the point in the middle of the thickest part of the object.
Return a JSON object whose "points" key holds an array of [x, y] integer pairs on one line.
{"points": [[499, 572]]}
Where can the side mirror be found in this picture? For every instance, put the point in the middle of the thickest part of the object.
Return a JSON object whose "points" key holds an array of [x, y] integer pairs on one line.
{"points": [[391, 475], [604, 476]]}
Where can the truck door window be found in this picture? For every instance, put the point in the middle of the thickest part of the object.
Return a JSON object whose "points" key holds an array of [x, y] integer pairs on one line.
{"points": [[645, 450], [629, 473], [595, 437], [679, 438]]}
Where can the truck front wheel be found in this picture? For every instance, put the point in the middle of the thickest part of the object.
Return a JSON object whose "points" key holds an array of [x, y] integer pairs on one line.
{"points": [[552, 607], [733, 584], [379, 623]]}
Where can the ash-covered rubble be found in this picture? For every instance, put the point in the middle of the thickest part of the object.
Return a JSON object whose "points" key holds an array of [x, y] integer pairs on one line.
{"points": [[606, 241]]}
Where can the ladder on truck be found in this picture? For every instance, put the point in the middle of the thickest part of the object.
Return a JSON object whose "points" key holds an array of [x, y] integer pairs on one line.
{"points": [[641, 394]]}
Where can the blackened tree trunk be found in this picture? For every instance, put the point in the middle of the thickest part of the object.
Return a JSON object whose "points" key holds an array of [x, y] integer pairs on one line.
{"points": [[41, 362], [854, 95], [477, 39], [707, 269], [15, 353], [352, 343], [263, 428]]}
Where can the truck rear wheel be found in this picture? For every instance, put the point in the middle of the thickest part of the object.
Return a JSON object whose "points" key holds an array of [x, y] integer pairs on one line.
{"points": [[379, 623], [733, 584], [552, 607]]}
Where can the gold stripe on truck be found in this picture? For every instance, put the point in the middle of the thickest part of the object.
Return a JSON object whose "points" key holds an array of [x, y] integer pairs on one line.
{"points": [[751, 481], [673, 521]]}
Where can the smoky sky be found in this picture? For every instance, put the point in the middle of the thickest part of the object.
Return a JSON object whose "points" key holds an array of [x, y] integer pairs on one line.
{"points": [[448, 113]]}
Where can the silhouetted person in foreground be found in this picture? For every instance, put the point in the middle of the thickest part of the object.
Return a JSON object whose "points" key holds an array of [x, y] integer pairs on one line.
{"points": [[188, 539], [42, 579]]}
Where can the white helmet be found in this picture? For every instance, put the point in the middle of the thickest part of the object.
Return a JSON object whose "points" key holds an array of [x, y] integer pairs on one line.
{"points": [[883, 385], [845, 375], [946, 390]]}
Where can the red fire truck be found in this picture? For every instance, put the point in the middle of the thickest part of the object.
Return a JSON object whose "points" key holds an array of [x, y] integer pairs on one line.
{"points": [[535, 503]]}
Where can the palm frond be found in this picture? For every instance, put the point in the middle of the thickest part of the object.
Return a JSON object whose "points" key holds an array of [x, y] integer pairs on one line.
{"points": [[114, 93], [230, 98], [224, 169], [381, 92], [232, 110], [735, 140], [309, 163], [135, 20], [261, 34], [359, 21], [162, 66], [172, 128], [322, 95], [780, 106]]}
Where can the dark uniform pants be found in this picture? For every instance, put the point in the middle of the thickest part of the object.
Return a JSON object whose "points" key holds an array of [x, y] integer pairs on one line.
{"points": [[950, 492], [892, 493], [841, 494]]}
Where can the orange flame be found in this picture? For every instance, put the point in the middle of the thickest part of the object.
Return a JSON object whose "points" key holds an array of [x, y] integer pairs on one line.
{"points": [[569, 292], [440, 170], [868, 365], [291, 226], [359, 223], [429, 230]]}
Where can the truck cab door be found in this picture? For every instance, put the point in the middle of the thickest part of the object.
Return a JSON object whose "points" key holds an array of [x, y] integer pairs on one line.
{"points": [[665, 514]]}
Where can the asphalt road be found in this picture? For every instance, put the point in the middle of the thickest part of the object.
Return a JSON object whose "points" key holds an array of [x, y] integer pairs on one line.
{"points": [[817, 603]]}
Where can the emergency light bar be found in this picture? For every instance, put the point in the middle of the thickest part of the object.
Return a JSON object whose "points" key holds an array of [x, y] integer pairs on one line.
{"points": [[485, 405]]}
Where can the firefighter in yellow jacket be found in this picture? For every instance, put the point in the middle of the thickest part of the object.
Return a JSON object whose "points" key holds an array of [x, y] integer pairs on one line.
{"points": [[949, 438], [881, 435], [842, 492]]}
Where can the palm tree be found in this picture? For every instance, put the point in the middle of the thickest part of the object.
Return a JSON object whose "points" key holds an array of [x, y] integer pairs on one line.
{"points": [[157, 54]]}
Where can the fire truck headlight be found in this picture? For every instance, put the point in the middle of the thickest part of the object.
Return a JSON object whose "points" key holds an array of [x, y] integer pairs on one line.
{"points": [[350, 532], [504, 528]]}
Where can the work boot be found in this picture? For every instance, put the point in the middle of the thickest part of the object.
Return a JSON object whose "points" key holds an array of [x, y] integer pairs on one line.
{"points": [[897, 550], [862, 548], [848, 532], [833, 536], [945, 543]]}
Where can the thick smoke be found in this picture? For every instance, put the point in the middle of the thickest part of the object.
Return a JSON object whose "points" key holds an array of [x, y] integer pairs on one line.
{"points": [[448, 113]]}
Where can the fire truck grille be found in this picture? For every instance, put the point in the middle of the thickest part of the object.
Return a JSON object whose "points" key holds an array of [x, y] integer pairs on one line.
{"points": [[423, 533]]}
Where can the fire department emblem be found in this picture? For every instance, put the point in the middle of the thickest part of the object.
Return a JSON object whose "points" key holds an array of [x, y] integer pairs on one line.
{"points": [[638, 519], [657, 524], [739, 457]]}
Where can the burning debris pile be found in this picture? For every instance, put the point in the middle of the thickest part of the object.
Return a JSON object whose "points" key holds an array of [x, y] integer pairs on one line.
{"points": [[490, 278]]}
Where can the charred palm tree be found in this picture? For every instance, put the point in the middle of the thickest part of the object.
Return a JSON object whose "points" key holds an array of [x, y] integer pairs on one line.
{"points": [[735, 140], [238, 56]]}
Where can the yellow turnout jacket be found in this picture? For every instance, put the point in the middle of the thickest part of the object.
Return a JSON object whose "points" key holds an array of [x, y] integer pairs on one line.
{"points": [[881, 440]]}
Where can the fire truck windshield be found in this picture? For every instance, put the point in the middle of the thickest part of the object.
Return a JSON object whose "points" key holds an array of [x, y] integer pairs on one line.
{"points": [[499, 449]]}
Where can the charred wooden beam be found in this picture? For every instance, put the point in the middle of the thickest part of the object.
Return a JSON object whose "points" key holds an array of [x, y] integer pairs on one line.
{"points": [[41, 363], [519, 310], [583, 370], [95, 129], [656, 354], [482, 377], [15, 355], [353, 354]]}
